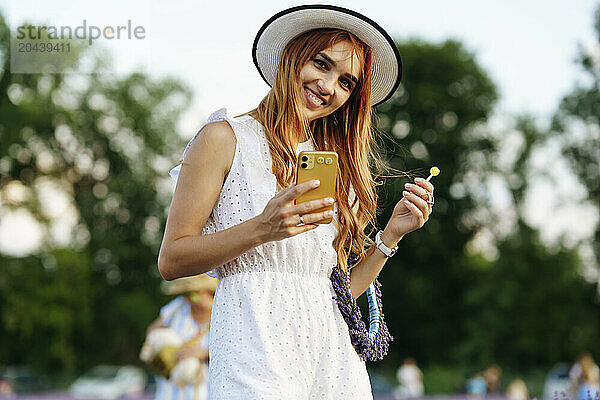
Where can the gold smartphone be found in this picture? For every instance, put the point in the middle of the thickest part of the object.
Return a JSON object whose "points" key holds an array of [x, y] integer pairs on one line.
{"points": [[321, 165]]}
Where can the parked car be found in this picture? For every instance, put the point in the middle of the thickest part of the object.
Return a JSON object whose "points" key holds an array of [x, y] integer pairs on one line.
{"points": [[557, 382], [109, 382], [21, 379]]}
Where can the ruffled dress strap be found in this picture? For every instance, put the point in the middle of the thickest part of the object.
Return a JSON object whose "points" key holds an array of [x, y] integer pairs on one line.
{"points": [[219, 115]]}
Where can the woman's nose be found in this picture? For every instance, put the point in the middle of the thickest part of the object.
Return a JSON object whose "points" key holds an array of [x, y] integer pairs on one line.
{"points": [[325, 86]]}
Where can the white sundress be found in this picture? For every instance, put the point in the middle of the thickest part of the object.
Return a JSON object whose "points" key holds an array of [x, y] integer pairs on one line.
{"points": [[276, 330]]}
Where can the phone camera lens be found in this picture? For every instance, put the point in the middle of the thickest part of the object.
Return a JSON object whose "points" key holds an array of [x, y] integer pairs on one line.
{"points": [[304, 165], [304, 158]]}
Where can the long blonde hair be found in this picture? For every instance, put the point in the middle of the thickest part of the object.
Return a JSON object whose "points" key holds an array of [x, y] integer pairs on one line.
{"points": [[352, 137]]}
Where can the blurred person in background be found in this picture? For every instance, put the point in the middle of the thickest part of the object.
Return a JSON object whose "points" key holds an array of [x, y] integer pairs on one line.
{"points": [[517, 390], [5, 389], [492, 378], [189, 316], [411, 380], [585, 378], [477, 386], [575, 375]]}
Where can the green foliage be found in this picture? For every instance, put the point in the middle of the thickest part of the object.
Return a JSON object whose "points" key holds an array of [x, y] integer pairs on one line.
{"points": [[444, 95], [446, 304], [442, 380], [531, 308], [46, 308], [107, 142], [577, 123]]}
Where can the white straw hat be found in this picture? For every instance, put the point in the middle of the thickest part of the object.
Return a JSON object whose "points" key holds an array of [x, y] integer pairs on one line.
{"points": [[275, 34]]}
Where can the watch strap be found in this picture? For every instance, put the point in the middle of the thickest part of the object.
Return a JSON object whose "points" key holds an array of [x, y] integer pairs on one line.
{"points": [[381, 246]]}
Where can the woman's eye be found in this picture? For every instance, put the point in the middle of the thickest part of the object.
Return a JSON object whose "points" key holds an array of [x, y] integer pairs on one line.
{"points": [[321, 63], [347, 83]]}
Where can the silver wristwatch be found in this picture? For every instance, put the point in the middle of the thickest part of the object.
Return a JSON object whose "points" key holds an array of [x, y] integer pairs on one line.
{"points": [[386, 250]]}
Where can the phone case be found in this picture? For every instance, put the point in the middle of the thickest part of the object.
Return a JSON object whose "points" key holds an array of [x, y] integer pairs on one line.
{"points": [[321, 165]]}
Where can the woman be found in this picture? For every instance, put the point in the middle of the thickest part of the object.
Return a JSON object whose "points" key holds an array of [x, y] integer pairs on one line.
{"points": [[585, 377], [276, 331], [410, 378], [188, 315]]}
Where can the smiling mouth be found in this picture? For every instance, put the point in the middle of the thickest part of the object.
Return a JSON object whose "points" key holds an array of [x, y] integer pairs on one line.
{"points": [[313, 99]]}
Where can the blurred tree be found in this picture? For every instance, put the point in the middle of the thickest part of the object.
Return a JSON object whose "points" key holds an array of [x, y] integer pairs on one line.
{"points": [[443, 98], [475, 285], [531, 309], [106, 143], [533, 306], [578, 123], [46, 309]]}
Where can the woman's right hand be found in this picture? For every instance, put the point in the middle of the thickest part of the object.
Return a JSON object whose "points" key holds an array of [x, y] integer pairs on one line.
{"points": [[280, 218]]}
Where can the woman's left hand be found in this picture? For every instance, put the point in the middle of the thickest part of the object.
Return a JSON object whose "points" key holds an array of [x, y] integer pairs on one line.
{"points": [[413, 210]]}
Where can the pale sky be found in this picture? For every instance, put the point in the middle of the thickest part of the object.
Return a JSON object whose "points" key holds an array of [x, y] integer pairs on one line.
{"points": [[527, 46]]}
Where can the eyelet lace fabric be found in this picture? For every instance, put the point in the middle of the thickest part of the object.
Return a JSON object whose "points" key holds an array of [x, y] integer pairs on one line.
{"points": [[276, 329]]}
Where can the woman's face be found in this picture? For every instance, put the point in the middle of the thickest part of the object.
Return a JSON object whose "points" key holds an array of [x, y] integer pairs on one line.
{"points": [[328, 79]]}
